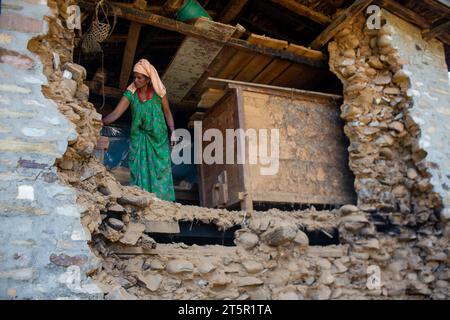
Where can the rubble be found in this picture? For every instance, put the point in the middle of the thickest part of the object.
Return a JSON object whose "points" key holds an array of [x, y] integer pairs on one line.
{"points": [[279, 235], [116, 224], [177, 266], [132, 234]]}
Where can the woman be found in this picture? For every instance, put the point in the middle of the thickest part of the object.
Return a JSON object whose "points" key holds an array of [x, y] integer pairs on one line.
{"points": [[150, 162]]}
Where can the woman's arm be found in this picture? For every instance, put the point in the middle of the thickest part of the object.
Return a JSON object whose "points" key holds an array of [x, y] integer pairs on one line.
{"points": [[168, 113], [122, 106], [169, 119]]}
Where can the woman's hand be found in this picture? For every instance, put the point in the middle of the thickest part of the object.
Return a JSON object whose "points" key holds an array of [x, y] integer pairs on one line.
{"points": [[173, 139], [118, 111], [102, 143]]}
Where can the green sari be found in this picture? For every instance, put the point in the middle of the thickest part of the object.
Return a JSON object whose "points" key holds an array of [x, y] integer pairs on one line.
{"points": [[150, 162]]}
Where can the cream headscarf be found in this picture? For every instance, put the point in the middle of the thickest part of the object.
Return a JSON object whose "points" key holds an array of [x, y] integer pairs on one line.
{"points": [[144, 67]]}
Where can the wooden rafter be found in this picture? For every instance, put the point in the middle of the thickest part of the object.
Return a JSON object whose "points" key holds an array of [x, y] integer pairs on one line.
{"points": [[304, 11], [436, 30], [439, 5], [403, 12], [444, 3], [232, 10], [343, 19]]}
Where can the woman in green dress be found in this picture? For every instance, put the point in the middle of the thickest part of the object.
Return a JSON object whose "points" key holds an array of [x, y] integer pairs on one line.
{"points": [[150, 161]]}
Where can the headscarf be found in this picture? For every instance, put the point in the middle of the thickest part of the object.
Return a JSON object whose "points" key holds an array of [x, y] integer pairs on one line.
{"points": [[144, 67]]}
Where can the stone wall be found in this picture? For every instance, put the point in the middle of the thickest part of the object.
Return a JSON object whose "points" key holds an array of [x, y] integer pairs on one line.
{"points": [[430, 93], [44, 253], [273, 257], [387, 155]]}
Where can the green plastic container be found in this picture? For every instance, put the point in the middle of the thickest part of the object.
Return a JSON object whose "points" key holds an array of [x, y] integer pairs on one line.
{"points": [[191, 9]]}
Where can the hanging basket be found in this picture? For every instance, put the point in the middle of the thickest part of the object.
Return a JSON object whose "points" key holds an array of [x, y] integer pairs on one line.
{"points": [[100, 31]]}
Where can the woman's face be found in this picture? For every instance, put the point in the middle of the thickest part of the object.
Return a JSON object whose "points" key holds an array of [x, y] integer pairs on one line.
{"points": [[140, 80]]}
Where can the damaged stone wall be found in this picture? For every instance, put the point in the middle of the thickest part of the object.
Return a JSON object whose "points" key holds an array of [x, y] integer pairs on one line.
{"points": [[430, 94], [44, 253], [387, 156], [272, 259]]}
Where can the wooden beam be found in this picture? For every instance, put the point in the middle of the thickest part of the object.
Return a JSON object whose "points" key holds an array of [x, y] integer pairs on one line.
{"points": [[128, 55], [304, 11], [343, 19], [232, 10], [149, 18], [439, 5], [436, 31], [403, 12], [276, 53], [259, 62], [444, 3], [223, 84]]}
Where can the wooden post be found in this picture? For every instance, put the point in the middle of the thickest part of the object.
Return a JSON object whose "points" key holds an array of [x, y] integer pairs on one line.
{"points": [[128, 55]]}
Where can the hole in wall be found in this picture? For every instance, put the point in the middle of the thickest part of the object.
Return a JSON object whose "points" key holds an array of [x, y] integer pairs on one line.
{"points": [[384, 224], [160, 47], [322, 237], [265, 206], [198, 233]]}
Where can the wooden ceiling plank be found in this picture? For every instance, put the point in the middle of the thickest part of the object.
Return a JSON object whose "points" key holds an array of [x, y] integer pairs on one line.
{"points": [[235, 65], [259, 62], [252, 69], [272, 71]]}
